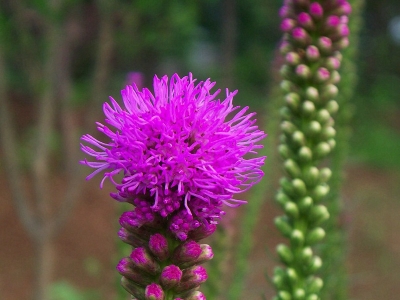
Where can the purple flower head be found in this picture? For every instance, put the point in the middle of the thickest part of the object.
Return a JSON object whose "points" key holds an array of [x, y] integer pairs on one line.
{"points": [[180, 152]]}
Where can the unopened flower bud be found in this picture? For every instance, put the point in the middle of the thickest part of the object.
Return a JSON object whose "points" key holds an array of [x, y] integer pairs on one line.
{"points": [[287, 25], [282, 198], [325, 174], [205, 255], [304, 20], [318, 214], [322, 150], [293, 100], [300, 35], [311, 175], [332, 22], [285, 254], [186, 252], [332, 107], [288, 127], [158, 245], [202, 232], [284, 295], [127, 269], [130, 238], [312, 94], [329, 92], [287, 186], [195, 295], [312, 297], [299, 187], [343, 9], [285, 47], [292, 58], [306, 255], [322, 75], [313, 128], [312, 53], [332, 63], [132, 288], [284, 151], [305, 204], [143, 260], [170, 276], [314, 285], [285, 113], [299, 293], [303, 71], [320, 191], [192, 278], [305, 154], [154, 292], [342, 43], [298, 138], [287, 86], [324, 44], [283, 225], [284, 11], [279, 281], [291, 210], [335, 77], [316, 264], [285, 72], [315, 236], [323, 116], [316, 10], [297, 238], [292, 275], [328, 133], [292, 168], [308, 108]]}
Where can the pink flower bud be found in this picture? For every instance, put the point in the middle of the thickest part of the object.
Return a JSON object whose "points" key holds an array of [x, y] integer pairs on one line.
{"points": [[292, 58], [158, 245], [127, 269], [144, 261], [170, 276], [300, 35], [312, 53], [332, 21], [332, 63], [322, 75], [196, 295], [192, 278], [324, 44], [154, 292], [284, 11], [202, 232], [287, 24], [304, 19], [186, 252], [316, 10], [303, 71]]}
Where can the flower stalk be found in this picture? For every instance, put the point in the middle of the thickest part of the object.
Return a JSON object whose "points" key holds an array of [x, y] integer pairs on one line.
{"points": [[314, 34]]}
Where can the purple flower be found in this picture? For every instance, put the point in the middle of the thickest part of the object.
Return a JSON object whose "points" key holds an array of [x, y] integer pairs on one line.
{"points": [[181, 152]]}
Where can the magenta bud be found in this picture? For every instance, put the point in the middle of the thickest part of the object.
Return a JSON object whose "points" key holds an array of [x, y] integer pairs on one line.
{"points": [[130, 238], [170, 276], [158, 245], [287, 24], [192, 278], [332, 63], [205, 255], [304, 19], [316, 10], [342, 43], [300, 35], [343, 30], [132, 288], [186, 252], [324, 44], [284, 11], [312, 53], [332, 21], [196, 295], [292, 58], [343, 9], [303, 71], [322, 74], [127, 269], [202, 232], [143, 260], [154, 292]]}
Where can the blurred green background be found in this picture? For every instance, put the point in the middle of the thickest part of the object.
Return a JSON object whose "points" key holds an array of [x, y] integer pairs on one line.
{"points": [[80, 51]]}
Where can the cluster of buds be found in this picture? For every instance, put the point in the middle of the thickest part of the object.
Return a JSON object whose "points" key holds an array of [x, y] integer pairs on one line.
{"points": [[314, 34], [161, 267]]}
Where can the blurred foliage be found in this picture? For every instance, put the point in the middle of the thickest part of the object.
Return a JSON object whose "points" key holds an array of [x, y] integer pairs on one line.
{"points": [[63, 290]]}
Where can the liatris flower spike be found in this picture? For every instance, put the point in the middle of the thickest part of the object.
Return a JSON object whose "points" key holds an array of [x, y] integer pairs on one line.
{"points": [[181, 153]]}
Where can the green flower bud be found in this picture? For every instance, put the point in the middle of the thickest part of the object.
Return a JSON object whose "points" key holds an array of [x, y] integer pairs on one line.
{"points": [[306, 255], [288, 127], [332, 107], [320, 191], [311, 175], [332, 143], [279, 281], [299, 294], [293, 100], [285, 254], [303, 71], [286, 72], [292, 168], [328, 133], [291, 210], [305, 154], [299, 187], [335, 77], [313, 128], [287, 86], [292, 275], [284, 295], [323, 116], [329, 91], [285, 47], [305, 203], [285, 113], [322, 150], [284, 151], [283, 139], [283, 226], [308, 108], [315, 285], [292, 58], [315, 236], [287, 186], [312, 94], [316, 264], [282, 198], [312, 297], [318, 214], [325, 174], [297, 238], [298, 138]]}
